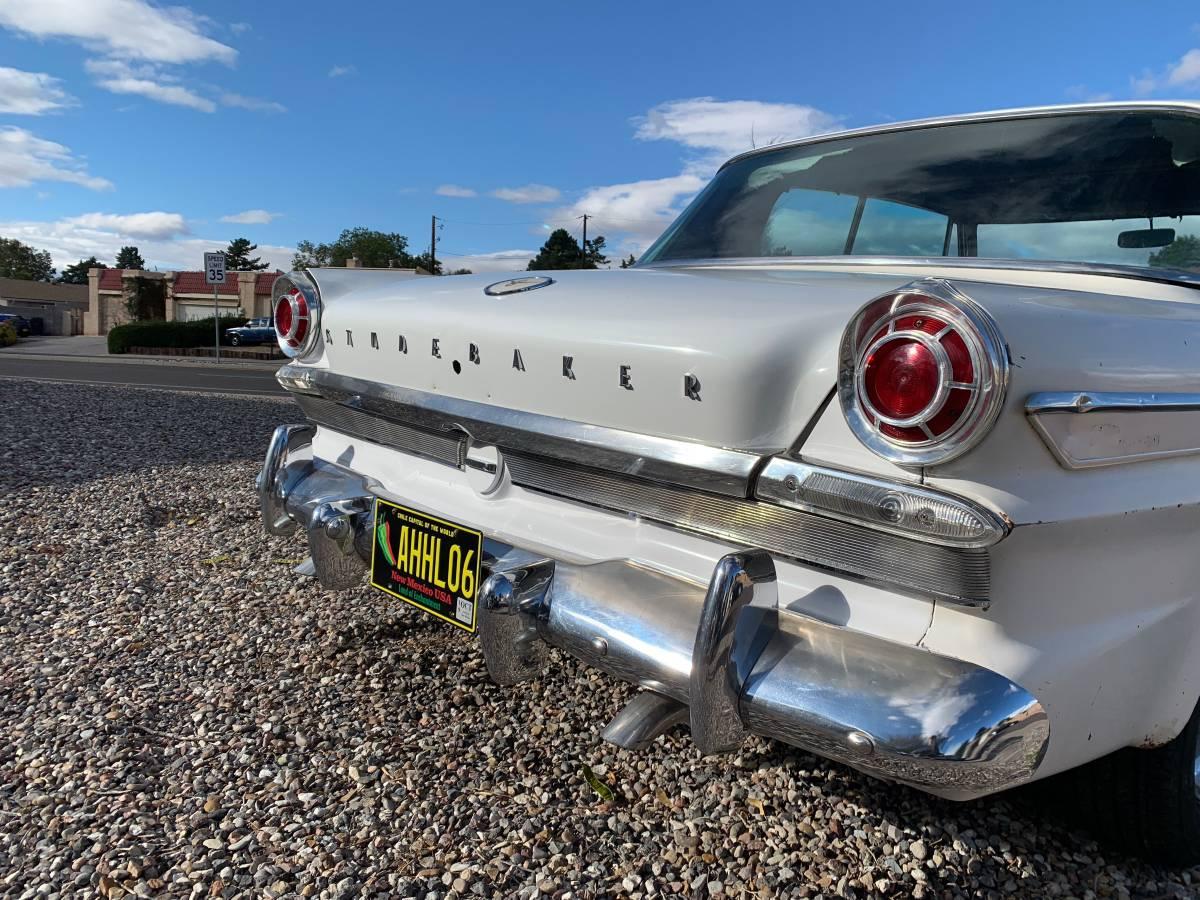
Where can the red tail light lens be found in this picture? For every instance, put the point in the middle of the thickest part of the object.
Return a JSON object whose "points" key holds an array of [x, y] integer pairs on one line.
{"points": [[297, 313], [922, 374]]}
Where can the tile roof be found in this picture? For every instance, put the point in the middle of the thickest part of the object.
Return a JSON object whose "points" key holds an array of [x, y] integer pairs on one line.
{"points": [[193, 283], [265, 281]]}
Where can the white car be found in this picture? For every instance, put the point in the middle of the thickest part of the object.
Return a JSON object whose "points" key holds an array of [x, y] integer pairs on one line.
{"points": [[886, 449]]}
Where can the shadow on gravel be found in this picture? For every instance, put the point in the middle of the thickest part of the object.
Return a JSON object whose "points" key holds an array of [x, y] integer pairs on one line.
{"points": [[63, 434]]}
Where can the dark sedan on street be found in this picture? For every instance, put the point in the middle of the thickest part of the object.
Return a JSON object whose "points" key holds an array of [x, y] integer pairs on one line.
{"points": [[256, 331], [20, 323]]}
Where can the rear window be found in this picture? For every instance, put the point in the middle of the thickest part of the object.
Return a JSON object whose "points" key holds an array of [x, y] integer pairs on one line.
{"points": [[1096, 187]]}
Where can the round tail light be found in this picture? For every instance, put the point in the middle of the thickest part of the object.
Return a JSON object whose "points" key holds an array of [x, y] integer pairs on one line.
{"points": [[922, 374], [297, 310]]}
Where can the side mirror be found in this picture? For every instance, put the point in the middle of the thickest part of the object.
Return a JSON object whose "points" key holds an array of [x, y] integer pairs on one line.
{"points": [[1145, 237]]}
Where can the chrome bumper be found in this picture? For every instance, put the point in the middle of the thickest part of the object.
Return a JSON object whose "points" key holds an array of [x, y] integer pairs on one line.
{"points": [[723, 657]]}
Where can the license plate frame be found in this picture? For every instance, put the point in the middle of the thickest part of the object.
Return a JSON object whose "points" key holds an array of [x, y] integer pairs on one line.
{"points": [[428, 562]]}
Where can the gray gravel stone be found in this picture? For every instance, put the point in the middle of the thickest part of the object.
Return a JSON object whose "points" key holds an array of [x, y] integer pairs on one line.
{"points": [[180, 715]]}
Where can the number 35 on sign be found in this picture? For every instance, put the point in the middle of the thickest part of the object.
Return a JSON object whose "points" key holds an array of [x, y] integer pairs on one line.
{"points": [[214, 268]]}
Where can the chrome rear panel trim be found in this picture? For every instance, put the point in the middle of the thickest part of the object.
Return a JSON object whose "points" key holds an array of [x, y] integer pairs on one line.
{"points": [[963, 575], [446, 448], [693, 465]]}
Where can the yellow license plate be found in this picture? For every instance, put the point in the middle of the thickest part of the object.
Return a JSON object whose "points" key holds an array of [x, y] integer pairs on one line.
{"points": [[428, 562]]}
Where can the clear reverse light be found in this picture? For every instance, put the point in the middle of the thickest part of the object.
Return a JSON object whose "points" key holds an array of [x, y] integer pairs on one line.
{"points": [[909, 510]]}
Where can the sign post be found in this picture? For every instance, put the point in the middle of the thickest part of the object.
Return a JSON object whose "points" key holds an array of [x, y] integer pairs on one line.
{"points": [[214, 274]]}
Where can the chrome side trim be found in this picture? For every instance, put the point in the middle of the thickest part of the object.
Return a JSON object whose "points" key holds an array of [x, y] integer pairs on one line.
{"points": [[1140, 273], [955, 573], [670, 460], [1088, 429], [1094, 401], [908, 510]]}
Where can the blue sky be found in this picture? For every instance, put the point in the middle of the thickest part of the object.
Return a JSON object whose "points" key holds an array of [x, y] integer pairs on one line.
{"points": [[126, 121]]}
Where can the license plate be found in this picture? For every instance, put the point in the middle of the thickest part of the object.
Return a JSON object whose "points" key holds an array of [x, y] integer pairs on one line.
{"points": [[426, 561]]}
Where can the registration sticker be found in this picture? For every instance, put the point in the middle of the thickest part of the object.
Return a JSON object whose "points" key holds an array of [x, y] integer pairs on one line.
{"points": [[428, 562]]}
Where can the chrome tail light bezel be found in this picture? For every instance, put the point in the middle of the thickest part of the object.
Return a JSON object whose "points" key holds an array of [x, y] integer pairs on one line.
{"points": [[288, 284], [988, 387]]}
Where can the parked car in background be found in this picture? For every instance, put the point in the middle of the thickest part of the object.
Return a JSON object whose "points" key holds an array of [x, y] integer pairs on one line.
{"points": [[888, 448], [255, 331], [19, 323]]}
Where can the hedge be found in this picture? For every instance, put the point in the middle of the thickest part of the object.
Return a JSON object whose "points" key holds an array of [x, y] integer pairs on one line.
{"points": [[8, 334], [197, 333]]}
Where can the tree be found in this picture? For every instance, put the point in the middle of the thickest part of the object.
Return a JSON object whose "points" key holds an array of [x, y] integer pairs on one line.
{"points": [[561, 251], [461, 272], [628, 263], [593, 254], [130, 258], [18, 260], [145, 298], [1181, 253], [238, 258], [374, 249], [77, 273]]}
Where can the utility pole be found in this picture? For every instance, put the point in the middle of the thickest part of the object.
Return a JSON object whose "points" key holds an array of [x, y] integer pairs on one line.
{"points": [[585, 217], [433, 245]]}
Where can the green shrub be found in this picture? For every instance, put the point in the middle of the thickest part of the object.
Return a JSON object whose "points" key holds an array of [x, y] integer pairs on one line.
{"points": [[8, 334], [198, 333]]}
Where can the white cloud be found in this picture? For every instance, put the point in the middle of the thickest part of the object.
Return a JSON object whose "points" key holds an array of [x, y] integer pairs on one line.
{"points": [[252, 103], [25, 158], [1083, 94], [730, 126], [530, 193], [137, 225], [69, 241], [240, 27], [454, 190], [30, 93], [127, 29], [641, 209], [339, 71], [633, 214], [499, 261], [1183, 73], [252, 217], [1186, 71], [145, 81]]}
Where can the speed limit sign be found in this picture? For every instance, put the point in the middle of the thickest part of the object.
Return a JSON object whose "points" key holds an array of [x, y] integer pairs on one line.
{"points": [[214, 268]]}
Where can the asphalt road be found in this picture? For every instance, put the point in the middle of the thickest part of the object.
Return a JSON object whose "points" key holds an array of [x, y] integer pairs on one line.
{"points": [[209, 379]]}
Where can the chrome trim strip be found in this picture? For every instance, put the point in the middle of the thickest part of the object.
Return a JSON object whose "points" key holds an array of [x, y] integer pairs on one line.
{"points": [[1186, 108], [443, 448], [783, 481], [1089, 429], [1163, 276], [712, 469], [1122, 401], [954, 573]]}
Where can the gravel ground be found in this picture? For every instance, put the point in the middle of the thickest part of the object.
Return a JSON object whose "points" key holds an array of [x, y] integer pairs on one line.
{"points": [[181, 715]]}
